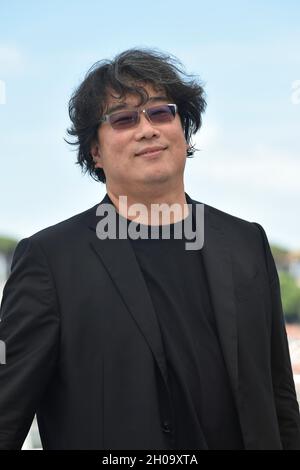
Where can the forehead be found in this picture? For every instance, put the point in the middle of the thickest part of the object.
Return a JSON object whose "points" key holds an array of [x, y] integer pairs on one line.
{"points": [[113, 100]]}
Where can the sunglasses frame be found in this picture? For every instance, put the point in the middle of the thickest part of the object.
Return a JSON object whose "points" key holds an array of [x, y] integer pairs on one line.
{"points": [[106, 117]]}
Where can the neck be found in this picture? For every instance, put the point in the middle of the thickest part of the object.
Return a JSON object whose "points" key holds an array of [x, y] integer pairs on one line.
{"points": [[156, 208]]}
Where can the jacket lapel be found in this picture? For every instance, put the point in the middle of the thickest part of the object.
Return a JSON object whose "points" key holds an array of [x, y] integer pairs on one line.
{"points": [[218, 266], [119, 259]]}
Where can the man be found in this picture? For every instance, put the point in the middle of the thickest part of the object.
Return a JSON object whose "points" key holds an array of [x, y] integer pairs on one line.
{"points": [[126, 342]]}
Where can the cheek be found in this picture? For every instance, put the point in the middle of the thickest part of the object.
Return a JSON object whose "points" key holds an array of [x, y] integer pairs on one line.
{"points": [[179, 143], [112, 146], [178, 135], [116, 154]]}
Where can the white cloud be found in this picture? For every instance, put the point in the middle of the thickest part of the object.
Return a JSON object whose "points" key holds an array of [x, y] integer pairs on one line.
{"points": [[259, 166], [274, 52], [209, 135], [12, 60]]}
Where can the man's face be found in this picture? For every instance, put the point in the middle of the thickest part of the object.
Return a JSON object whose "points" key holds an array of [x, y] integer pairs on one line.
{"points": [[118, 152]]}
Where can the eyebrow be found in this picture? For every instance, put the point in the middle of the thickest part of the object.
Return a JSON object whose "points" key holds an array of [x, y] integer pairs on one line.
{"points": [[120, 106]]}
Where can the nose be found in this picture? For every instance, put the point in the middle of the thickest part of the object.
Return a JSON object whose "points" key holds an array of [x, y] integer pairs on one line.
{"points": [[145, 128]]}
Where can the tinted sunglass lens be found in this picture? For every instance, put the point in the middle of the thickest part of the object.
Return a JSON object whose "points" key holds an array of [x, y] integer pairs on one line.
{"points": [[124, 119], [161, 113]]}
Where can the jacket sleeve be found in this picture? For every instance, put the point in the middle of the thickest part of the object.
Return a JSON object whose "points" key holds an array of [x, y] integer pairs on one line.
{"points": [[29, 329], [287, 407]]}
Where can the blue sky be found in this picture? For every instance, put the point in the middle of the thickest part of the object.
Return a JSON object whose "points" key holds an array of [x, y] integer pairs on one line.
{"points": [[246, 53]]}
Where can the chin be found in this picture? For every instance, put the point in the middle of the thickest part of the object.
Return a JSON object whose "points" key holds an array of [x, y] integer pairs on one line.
{"points": [[156, 178]]}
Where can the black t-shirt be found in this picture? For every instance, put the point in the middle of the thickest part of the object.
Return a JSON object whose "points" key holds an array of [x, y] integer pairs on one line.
{"points": [[205, 413]]}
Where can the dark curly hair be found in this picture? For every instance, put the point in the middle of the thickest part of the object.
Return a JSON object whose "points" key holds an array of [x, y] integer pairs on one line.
{"points": [[126, 74]]}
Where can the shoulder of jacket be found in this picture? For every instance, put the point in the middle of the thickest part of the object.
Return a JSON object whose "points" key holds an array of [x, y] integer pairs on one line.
{"points": [[66, 228], [225, 219]]}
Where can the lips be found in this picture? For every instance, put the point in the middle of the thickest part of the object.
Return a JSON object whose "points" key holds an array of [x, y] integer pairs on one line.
{"points": [[149, 150]]}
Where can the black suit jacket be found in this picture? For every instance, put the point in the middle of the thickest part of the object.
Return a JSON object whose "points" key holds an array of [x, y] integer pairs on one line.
{"points": [[84, 348]]}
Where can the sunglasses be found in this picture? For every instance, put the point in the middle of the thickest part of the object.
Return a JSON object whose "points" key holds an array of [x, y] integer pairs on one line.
{"points": [[130, 118]]}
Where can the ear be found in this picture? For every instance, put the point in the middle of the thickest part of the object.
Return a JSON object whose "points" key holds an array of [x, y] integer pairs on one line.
{"points": [[96, 155]]}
